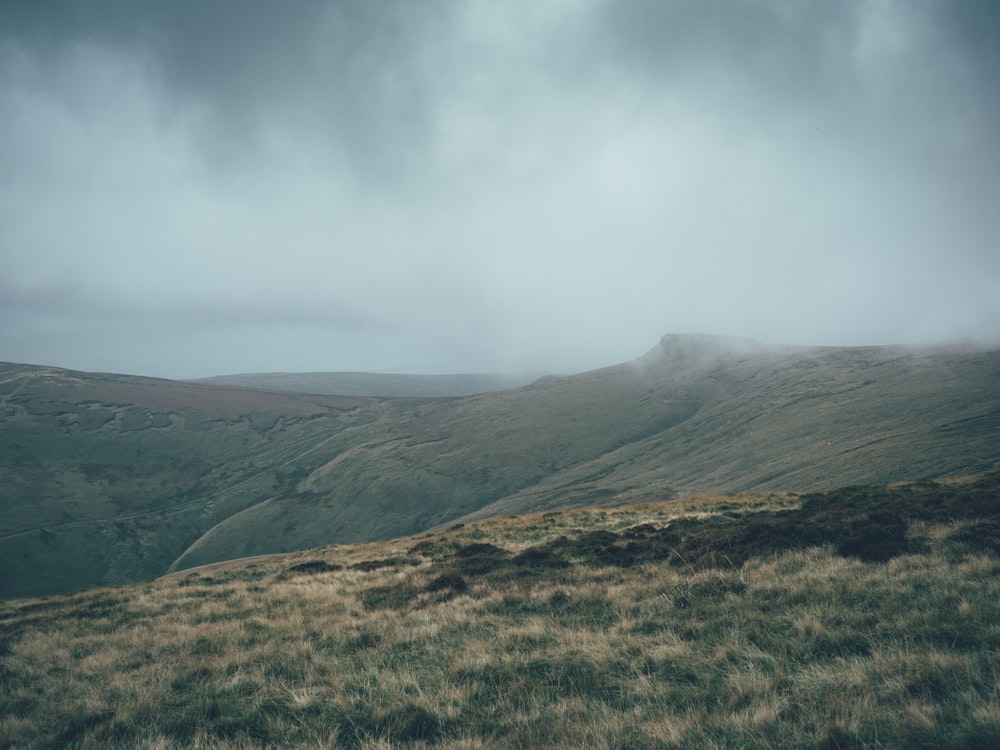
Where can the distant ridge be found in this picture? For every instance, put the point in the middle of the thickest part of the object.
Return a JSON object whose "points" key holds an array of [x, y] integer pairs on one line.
{"points": [[700, 350], [372, 384]]}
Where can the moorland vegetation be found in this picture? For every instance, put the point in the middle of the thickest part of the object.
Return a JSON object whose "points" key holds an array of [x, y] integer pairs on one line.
{"points": [[865, 617], [106, 479]]}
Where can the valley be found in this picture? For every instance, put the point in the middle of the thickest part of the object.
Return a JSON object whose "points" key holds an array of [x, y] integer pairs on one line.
{"points": [[108, 479]]}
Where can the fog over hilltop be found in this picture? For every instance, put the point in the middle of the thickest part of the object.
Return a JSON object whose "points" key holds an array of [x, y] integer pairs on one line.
{"points": [[191, 189]]}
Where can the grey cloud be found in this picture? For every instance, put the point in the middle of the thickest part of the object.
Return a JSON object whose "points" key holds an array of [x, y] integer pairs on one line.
{"points": [[352, 69], [480, 185], [791, 47]]}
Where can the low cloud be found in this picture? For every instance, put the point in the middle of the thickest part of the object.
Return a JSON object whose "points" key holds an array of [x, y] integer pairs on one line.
{"points": [[188, 190]]}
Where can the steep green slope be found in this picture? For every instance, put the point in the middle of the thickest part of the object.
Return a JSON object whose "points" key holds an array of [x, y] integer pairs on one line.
{"points": [[438, 460], [801, 419], [694, 414], [107, 478]]}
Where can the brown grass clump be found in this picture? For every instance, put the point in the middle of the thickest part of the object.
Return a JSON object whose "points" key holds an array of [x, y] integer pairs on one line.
{"points": [[580, 629]]}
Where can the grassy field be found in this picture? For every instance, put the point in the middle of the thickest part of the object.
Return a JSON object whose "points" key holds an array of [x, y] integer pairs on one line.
{"points": [[864, 617]]}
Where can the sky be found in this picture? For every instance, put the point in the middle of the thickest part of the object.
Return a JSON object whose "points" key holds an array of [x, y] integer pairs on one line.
{"points": [[190, 188]]}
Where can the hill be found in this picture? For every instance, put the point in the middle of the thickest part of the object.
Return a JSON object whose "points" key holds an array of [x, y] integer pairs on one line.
{"points": [[371, 383], [114, 478], [859, 617], [107, 478]]}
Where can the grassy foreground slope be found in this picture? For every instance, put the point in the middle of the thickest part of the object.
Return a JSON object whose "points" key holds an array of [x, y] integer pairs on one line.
{"points": [[866, 618]]}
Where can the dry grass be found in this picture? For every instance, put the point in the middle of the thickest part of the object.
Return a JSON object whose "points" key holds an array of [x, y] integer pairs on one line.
{"points": [[445, 641]]}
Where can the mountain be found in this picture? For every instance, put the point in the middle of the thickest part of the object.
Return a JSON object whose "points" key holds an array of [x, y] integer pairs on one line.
{"points": [[372, 384], [110, 478]]}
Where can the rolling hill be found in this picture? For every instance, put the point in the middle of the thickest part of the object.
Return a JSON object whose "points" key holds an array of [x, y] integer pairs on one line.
{"points": [[111, 478], [371, 383]]}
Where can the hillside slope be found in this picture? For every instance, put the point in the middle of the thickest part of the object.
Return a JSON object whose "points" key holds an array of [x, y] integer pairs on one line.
{"points": [[862, 617], [696, 414], [111, 478], [371, 383], [107, 478], [797, 419]]}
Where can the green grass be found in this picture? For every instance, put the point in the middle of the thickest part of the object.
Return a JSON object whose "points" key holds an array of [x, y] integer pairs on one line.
{"points": [[539, 631]]}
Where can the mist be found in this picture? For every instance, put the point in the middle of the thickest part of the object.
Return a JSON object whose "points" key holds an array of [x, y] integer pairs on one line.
{"points": [[547, 186]]}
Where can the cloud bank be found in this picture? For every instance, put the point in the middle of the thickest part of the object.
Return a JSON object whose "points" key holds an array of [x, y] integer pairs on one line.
{"points": [[191, 189]]}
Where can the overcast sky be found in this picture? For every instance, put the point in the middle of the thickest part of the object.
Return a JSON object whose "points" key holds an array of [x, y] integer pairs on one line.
{"points": [[191, 188]]}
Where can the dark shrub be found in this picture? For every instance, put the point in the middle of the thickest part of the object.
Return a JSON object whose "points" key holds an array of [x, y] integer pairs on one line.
{"points": [[314, 566], [877, 538], [389, 597], [540, 558], [599, 547], [390, 562], [982, 536], [412, 723], [425, 548], [478, 558], [448, 582], [480, 550], [642, 531]]}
